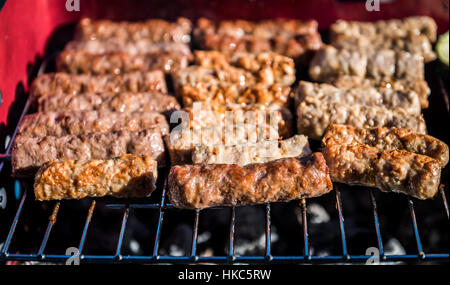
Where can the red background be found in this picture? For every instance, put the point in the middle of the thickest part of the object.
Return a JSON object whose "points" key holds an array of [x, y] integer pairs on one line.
{"points": [[26, 25]]}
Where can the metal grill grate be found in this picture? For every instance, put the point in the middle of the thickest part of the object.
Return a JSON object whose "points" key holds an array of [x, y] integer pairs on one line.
{"points": [[162, 207]]}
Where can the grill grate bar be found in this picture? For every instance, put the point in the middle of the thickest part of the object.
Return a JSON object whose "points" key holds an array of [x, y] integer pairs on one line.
{"points": [[376, 223], [160, 222], [444, 200], [420, 252], [341, 223], [306, 251], [86, 226], [194, 236], [268, 233], [51, 223], [14, 225], [232, 226], [122, 232]]}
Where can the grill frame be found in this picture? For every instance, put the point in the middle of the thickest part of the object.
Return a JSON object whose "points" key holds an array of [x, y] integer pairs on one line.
{"points": [[230, 258]]}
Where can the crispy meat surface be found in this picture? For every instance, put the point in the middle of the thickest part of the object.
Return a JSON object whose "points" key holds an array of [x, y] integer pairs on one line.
{"points": [[387, 139], [30, 153], [80, 61], [207, 185], [388, 170], [124, 177], [51, 83], [314, 117], [122, 102], [370, 96], [155, 30], [259, 152], [59, 124]]}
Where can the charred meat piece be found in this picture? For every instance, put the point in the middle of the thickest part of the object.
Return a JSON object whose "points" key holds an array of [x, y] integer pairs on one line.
{"points": [[122, 102], [296, 39], [155, 30], [259, 152], [419, 86], [267, 67], [387, 139], [330, 62], [124, 177], [59, 124], [315, 116], [370, 96], [53, 83], [398, 171], [207, 185], [30, 153], [79, 62]]}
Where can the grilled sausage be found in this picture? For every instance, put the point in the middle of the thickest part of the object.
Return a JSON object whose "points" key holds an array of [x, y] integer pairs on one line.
{"points": [[52, 83], [80, 61], [259, 152], [207, 185], [155, 30], [30, 153], [314, 117], [59, 124], [122, 102], [412, 34], [125, 176], [388, 170], [419, 86], [268, 67], [387, 139], [370, 96]]}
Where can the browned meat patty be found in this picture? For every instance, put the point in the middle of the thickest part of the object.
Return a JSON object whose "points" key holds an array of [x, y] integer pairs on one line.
{"points": [[155, 30], [122, 102], [59, 124], [388, 170], [419, 86], [387, 139], [124, 177], [292, 38], [79, 62], [268, 67], [314, 117], [412, 34], [330, 62], [207, 185], [369, 96], [30, 153], [51, 83]]}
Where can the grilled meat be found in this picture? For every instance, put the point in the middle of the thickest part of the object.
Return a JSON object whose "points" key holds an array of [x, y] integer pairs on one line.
{"points": [[85, 122], [389, 170], [207, 185], [53, 83], [315, 116], [370, 96], [259, 152], [155, 30], [387, 139], [125, 176], [419, 86], [30, 153], [79, 62], [330, 62], [122, 102]]}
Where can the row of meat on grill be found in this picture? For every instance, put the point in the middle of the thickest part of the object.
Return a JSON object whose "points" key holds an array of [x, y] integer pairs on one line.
{"points": [[102, 129]]}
